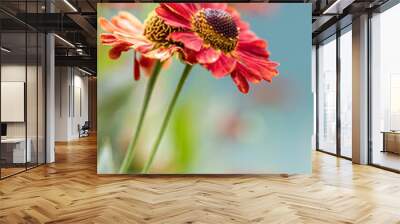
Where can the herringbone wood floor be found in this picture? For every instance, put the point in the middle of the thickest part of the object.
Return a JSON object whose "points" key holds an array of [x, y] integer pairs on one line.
{"points": [[69, 191]]}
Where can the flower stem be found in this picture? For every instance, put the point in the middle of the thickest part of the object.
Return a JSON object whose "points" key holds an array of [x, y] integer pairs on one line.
{"points": [[171, 106], [130, 152]]}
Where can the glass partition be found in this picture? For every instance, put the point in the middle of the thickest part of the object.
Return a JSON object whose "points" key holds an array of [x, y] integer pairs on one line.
{"points": [[22, 77], [31, 100], [14, 153]]}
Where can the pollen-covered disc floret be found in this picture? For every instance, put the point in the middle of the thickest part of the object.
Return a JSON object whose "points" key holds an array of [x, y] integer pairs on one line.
{"points": [[217, 28], [157, 31]]}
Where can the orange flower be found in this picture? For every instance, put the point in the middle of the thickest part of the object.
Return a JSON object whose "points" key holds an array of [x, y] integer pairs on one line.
{"points": [[125, 32]]}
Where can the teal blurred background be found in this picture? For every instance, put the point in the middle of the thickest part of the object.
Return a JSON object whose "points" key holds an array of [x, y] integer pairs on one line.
{"points": [[214, 129]]}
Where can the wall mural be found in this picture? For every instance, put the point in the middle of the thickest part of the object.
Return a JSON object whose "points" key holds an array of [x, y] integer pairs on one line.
{"points": [[204, 88]]}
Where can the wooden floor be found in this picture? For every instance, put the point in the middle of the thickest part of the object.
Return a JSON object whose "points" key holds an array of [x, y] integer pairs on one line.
{"points": [[70, 191], [387, 159], [5, 172]]}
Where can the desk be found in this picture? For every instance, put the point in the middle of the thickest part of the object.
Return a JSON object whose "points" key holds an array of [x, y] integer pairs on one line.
{"points": [[391, 141], [15, 148]]}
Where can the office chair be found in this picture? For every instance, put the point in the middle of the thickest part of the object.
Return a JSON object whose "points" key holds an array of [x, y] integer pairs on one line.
{"points": [[84, 130]]}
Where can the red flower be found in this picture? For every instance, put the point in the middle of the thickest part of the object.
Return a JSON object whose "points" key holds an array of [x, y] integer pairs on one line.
{"points": [[125, 32], [215, 36]]}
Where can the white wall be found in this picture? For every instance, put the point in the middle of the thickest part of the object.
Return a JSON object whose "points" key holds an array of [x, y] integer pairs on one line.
{"points": [[16, 73], [13, 101], [62, 82], [71, 94], [9, 73], [80, 110]]}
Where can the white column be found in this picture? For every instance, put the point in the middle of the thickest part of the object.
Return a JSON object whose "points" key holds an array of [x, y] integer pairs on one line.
{"points": [[62, 103], [50, 98], [360, 90]]}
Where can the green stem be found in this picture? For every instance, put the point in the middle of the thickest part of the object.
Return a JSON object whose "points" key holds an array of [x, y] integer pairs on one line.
{"points": [[164, 125], [130, 152]]}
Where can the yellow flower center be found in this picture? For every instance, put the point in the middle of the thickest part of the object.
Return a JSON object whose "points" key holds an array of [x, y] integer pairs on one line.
{"points": [[217, 28], [157, 31]]}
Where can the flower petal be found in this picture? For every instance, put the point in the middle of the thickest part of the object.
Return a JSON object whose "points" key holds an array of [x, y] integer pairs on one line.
{"points": [[162, 53], [136, 67], [106, 25], [240, 82], [186, 10], [222, 67], [138, 42], [124, 23], [207, 55], [131, 37], [116, 51], [263, 68], [108, 39], [243, 26], [135, 22], [172, 18], [247, 35], [124, 26], [258, 67], [189, 56], [144, 47], [270, 71], [189, 39], [255, 48], [147, 64], [249, 73]]}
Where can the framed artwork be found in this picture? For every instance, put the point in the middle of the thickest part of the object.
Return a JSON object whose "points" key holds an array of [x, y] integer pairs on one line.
{"points": [[204, 88]]}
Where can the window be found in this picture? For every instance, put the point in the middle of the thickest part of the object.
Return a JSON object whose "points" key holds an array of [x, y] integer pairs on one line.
{"points": [[385, 89], [346, 93], [327, 96], [333, 77]]}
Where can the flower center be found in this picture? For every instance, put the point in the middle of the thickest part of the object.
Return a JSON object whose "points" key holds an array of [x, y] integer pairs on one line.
{"points": [[217, 28], [157, 31]]}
